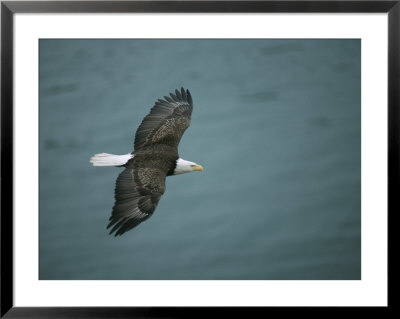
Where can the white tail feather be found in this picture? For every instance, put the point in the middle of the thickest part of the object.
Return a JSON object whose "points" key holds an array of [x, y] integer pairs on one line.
{"points": [[104, 159]]}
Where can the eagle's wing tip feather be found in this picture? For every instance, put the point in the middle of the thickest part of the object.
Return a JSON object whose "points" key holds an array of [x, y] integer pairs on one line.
{"points": [[174, 97], [182, 95]]}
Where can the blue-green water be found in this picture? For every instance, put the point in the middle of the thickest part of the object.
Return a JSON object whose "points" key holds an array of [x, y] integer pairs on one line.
{"points": [[276, 125]]}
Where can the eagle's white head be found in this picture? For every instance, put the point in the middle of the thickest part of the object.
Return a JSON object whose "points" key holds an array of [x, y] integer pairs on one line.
{"points": [[183, 166]]}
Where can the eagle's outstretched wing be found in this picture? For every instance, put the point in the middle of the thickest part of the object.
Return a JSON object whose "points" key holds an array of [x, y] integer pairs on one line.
{"points": [[140, 186], [137, 192], [166, 122]]}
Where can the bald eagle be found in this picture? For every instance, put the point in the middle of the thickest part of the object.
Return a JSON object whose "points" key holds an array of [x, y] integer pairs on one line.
{"points": [[141, 184]]}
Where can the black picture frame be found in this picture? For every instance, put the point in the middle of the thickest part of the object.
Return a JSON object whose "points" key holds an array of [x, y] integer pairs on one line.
{"points": [[9, 8]]}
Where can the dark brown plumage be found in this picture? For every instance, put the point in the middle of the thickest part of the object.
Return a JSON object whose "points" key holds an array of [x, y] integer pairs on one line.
{"points": [[140, 186]]}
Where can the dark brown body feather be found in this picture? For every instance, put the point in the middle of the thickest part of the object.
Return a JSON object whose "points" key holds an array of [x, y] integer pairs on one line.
{"points": [[140, 186]]}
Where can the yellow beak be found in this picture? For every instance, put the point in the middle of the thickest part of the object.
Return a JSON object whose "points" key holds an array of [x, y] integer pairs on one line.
{"points": [[198, 168]]}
